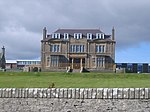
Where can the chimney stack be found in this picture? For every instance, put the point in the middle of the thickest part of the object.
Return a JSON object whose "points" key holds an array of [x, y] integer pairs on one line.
{"points": [[3, 61], [3, 50], [44, 33], [113, 33]]}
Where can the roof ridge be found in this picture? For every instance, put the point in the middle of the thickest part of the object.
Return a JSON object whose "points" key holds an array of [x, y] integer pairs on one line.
{"points": [[78, 29]]}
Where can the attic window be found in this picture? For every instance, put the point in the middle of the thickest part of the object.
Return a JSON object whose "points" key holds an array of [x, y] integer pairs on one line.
{"points": [[56, 35], [99, 36], [77, 35], [89, 35], [66, 36], [102, 36]]}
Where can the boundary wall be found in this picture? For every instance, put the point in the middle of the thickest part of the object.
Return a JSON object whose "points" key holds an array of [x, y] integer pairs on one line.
{"points": [[75, 100], [76, 93]]}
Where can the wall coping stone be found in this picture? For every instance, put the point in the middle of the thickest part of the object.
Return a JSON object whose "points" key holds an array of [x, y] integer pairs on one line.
{"points": [[76, 93]]}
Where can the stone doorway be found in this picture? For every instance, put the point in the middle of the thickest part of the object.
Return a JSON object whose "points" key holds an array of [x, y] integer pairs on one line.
{"points": [[77, 63]]}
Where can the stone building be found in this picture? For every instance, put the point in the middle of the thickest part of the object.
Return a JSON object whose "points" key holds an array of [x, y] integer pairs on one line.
{"points": [[2, 59], [77, 49]]}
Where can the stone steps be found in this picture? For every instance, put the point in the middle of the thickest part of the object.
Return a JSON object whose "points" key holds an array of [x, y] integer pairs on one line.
{"points": [[76, 70]]}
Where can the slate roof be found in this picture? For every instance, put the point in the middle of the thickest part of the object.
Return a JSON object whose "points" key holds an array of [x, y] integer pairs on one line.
{"points": [[72, 31], [83, 31]]}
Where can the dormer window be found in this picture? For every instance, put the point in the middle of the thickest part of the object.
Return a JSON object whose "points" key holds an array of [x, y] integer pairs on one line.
{"points": [[56, 35], [102, 36], [66, 36], [77, 35], [89, 36], [99, 36]]}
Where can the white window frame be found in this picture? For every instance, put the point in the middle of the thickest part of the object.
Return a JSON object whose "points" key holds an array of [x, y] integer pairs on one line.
{"points": [[80, 35], [98, 35], [102, 35], [55, 48], [66, 36], [77, 48], [77, 35], [56, 35], [100, 48], [89, 36], [53, 35]]}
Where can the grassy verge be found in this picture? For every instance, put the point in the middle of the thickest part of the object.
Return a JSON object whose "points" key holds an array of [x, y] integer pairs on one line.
{"points": [[73, 80]]}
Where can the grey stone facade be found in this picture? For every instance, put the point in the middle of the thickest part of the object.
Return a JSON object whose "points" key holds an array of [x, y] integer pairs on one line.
{"points": [[73, 49]]}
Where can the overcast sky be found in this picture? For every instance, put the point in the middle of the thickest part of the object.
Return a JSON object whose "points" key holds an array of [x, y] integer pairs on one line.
{"points": [[22, 21]]}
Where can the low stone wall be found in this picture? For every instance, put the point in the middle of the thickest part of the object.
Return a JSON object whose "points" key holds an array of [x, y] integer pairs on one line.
{"points": [[76, 93], [74, 100]]}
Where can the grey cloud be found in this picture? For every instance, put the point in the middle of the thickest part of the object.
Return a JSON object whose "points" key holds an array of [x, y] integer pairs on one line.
{"points": [[21, 22]]}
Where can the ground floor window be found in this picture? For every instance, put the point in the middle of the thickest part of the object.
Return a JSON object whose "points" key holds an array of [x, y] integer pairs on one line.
{"points": [[54, 61], [48, 61], [100, 61]]}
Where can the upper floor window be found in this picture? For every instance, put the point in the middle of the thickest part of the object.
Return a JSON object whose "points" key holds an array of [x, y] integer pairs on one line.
{"points": [[102, 36], [78, 35], [99, 36], [66, 36], [54, 61], [77, 48], [56, 35], [55, 48], [100, 48], [89, 35]]}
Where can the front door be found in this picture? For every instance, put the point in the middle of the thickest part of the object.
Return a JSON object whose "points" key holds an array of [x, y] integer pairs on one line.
{"points": [[76, 63]]}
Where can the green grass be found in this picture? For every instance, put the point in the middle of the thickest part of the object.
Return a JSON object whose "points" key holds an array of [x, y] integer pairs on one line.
{"points": [[73, 80]]}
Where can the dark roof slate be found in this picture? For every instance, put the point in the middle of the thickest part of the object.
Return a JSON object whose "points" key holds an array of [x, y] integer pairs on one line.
{"points": [[72, 31], [83, 31]]}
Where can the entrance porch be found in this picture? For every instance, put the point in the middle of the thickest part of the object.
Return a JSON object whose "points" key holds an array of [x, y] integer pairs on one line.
{"points": [[76, 63]]}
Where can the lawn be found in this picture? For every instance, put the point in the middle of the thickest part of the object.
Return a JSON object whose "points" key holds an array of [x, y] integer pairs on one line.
{"points": [[73, 80]]}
